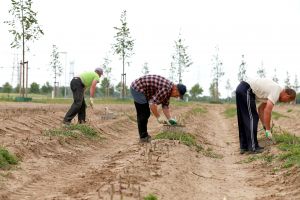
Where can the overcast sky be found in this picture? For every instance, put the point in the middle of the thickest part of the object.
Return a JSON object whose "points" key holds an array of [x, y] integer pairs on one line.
{"points": [[265, 31]]}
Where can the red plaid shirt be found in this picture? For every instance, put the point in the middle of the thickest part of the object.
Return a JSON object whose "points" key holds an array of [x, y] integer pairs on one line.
{"points": [[157, 89]]}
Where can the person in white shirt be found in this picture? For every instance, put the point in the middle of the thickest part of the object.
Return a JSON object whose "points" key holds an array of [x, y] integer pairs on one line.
{"points": [[268, 93]]}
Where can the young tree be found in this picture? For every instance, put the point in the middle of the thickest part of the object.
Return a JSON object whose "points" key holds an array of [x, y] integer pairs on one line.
{"points": [[213, 91], [107, 72], [261, 72], [296, 83], [34, 88], [7, 88], [180, 59], [24, 28], [123, 46], [56, 66], [105, 87], [275, 79], [242, 70], [145, 69], [172, 72], [287, 81], [228, 87], [195, 91], [217, 72]]}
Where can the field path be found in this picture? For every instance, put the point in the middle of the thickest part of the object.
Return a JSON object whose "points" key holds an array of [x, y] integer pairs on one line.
{"points": [[119, 167]]}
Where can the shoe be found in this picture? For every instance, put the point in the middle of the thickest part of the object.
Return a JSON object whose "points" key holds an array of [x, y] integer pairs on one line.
{"points": [[259, 148], [81, 122], [256, 151], [66, 123], [242, 151], [146, 139]]}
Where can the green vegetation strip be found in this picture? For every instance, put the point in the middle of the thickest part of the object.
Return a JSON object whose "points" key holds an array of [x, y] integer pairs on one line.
{"points": [[230, 112], [7, 159], [290, 147], [276, 115], [74, 131], [187, 139]]}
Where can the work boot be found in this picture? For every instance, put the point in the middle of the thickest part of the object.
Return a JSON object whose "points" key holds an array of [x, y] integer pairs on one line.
{"points": [[66, 123], [146, 139]]}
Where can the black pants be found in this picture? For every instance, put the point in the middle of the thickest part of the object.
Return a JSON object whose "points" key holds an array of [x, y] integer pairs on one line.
{"points": [[78, 106], [247, 116], [143, 114]]}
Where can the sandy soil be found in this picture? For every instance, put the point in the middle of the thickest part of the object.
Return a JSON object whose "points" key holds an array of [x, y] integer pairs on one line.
{"points": [[119, 167]]}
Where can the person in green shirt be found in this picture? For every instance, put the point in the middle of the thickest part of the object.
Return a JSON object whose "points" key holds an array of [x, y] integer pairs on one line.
{"points": [[78, 85]]}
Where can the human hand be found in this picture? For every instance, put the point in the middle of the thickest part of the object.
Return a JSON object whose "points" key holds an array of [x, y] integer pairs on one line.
{"points": [[161, 120], [172, 121], [91, 102], [269, 135]]}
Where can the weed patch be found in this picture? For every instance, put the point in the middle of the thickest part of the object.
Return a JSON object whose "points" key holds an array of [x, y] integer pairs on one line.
{"points": [[276, 115], [150, 197], [198, 110], [290, 145], [230, 112], [7, 159], [189, 140], [74, 131]]}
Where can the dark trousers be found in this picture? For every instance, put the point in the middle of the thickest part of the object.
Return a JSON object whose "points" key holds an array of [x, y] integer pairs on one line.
{"points": [[247, 116], [78, 106], [143, 114]]}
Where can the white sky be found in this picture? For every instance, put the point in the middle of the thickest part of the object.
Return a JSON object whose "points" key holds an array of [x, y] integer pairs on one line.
{"points": [[265, 31]]}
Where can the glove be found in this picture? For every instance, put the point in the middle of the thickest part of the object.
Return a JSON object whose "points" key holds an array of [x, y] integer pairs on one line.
{"points": [[161, 120], [91, 102], [172, 121], [269, 134]]}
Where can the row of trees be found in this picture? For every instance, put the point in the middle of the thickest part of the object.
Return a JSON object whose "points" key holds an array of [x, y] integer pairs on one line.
{"points": [[24, 27]]}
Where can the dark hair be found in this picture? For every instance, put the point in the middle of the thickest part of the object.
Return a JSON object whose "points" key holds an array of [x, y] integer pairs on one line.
{"points": [[291, 93]]}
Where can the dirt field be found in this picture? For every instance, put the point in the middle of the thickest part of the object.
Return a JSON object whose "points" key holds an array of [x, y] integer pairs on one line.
{"points": [[119, 167]]}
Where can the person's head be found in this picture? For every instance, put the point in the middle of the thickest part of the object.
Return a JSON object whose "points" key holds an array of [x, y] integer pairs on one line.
{"points": [[287, 95], [99, 71], [178, 90]]}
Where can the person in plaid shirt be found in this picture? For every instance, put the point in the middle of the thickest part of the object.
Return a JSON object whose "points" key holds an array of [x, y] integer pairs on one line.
{"points": [[149, 91]]}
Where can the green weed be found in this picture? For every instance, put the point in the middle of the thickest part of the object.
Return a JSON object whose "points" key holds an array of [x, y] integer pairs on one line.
{"points": [[7, 159], [276, 115], [150, 197], [230, 112], [74, 131], [289, 110], [198, 110]]}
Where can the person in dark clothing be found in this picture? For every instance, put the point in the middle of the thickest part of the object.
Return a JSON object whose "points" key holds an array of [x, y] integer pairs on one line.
{"points": [[78, 85], [149, 91], [247, 93]]}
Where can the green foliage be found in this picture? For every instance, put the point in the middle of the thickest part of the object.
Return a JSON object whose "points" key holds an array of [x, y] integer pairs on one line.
{"points": [[123, 45], [180, 59], [289, 110], [217, 73], [24, 24], [185, 138], [230, 112], [199, 110], [195, 91], [34, 88], [150, 197], [46, 88], [74, 131], [276, 115], [7, 88], [106, 89], [7, 159]]}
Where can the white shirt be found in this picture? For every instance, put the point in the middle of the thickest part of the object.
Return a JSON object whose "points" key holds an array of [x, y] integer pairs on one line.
{"points": [[265, 89]]}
